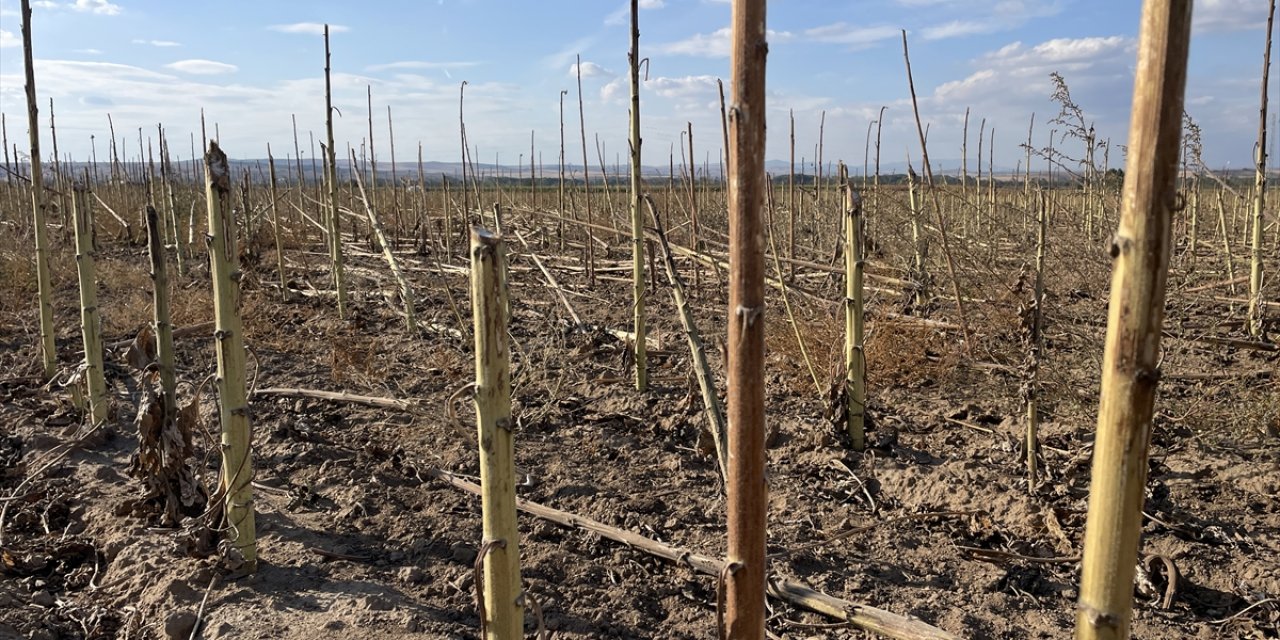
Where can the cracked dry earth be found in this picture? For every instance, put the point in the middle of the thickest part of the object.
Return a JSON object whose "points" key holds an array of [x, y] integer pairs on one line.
{"points": [[357, 541]]}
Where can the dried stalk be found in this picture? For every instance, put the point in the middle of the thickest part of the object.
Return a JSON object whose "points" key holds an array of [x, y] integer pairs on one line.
{"points": [[862, 616], [39, 204], [744, 575], [637, 221], [237, 464], [406, 291], [1130, 368], [937, 207], [90, 319], [503, 615], [1260, 192], [706, 381]]}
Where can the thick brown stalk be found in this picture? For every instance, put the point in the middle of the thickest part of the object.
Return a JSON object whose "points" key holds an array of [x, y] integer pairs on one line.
{"points": [[1131, 361], [744, 576]]}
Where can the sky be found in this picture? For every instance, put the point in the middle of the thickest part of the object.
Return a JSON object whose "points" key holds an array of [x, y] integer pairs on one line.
{"points": [[255, 66]]}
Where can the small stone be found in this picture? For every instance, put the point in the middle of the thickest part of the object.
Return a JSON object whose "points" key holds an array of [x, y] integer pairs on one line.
{"points": [[412, 575], [182, 591], [414, 625], [42, 598], [179, 625], [223, 630], [463, 553], [376, 603], [334, 625]]}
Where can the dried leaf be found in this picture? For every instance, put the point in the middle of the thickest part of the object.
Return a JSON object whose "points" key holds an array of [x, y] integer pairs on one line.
{"points": [[142, 351]]}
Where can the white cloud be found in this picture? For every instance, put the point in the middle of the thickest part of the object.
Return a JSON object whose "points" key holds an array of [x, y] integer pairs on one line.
{"points": [[612, 91], [7, 39], [1060, 53], [98, 7], [855, 37], [567, 54], [590, 70], [202, 67], [963, 18], [685, 87], [1228, 15], [88, 52], [714, 44], [688, 92], [711, 45], [308, 28], [1012, 82], [418, 64], [157, 43], [253, 113], [959, 89], [957, 29], [622, 14]]}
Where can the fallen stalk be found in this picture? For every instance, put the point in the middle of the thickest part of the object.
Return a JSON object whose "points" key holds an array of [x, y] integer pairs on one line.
{"points": [[338, 396], [863, 616], [706, 382]]}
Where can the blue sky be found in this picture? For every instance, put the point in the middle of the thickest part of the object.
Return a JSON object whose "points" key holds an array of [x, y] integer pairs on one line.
{"points": [[251, 65]]}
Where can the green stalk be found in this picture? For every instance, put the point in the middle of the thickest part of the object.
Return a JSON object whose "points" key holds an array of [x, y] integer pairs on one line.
{"points": [[48, 351], [275, 222], [163, 327], [1132, 356], [855, 358], [503, 616], [90, 320], [1260, 194], [335, 229], [224, 263], [1037, 347]]}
